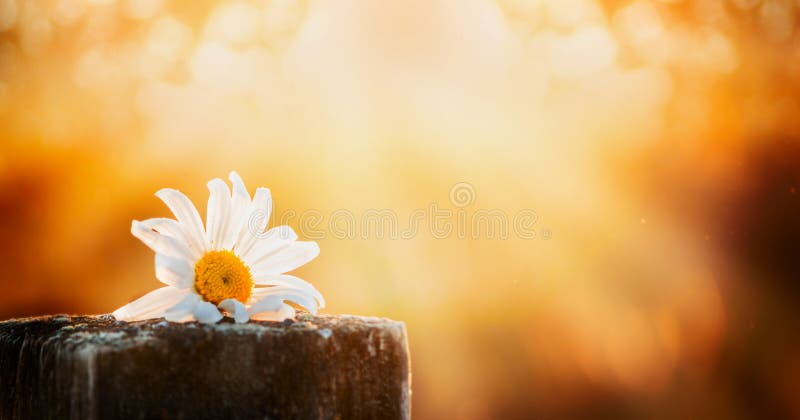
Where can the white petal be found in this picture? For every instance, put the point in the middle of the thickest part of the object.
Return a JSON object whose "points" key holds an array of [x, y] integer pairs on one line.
{"points": [[291, 294], [279, 313], [290, 281], [270, 243], [289, 258], [151, 305], [265, 304], [161, 244], [175, 272], [173, 229], [233, 306], [256, 220], [164, 226], [268, 309], [217, 213], [183, 311], [187, 216], [240, 204], [207, 313], [286, 311]]}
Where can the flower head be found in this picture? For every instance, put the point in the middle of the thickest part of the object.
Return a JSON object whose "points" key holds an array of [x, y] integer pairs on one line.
{"points": [[232, 264]]}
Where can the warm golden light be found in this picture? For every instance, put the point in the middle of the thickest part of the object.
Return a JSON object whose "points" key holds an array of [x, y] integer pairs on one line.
{"points": [[648, 139]]}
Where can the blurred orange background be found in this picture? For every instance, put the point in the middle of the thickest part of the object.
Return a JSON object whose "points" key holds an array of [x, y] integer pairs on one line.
{"points": [[658, 143]]}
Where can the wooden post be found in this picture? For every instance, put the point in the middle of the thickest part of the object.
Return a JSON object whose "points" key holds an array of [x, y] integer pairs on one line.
{"points": [[94, 367]]}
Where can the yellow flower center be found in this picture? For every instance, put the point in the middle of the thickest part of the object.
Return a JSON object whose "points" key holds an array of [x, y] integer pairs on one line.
{"points": [[221, 275]]}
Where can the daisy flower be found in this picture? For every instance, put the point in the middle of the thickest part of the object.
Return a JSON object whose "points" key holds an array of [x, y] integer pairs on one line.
{"points": [[232, 265]]}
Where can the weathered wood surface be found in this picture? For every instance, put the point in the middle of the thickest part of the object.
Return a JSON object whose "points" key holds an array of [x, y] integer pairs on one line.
{"points": [[93, 367]]}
